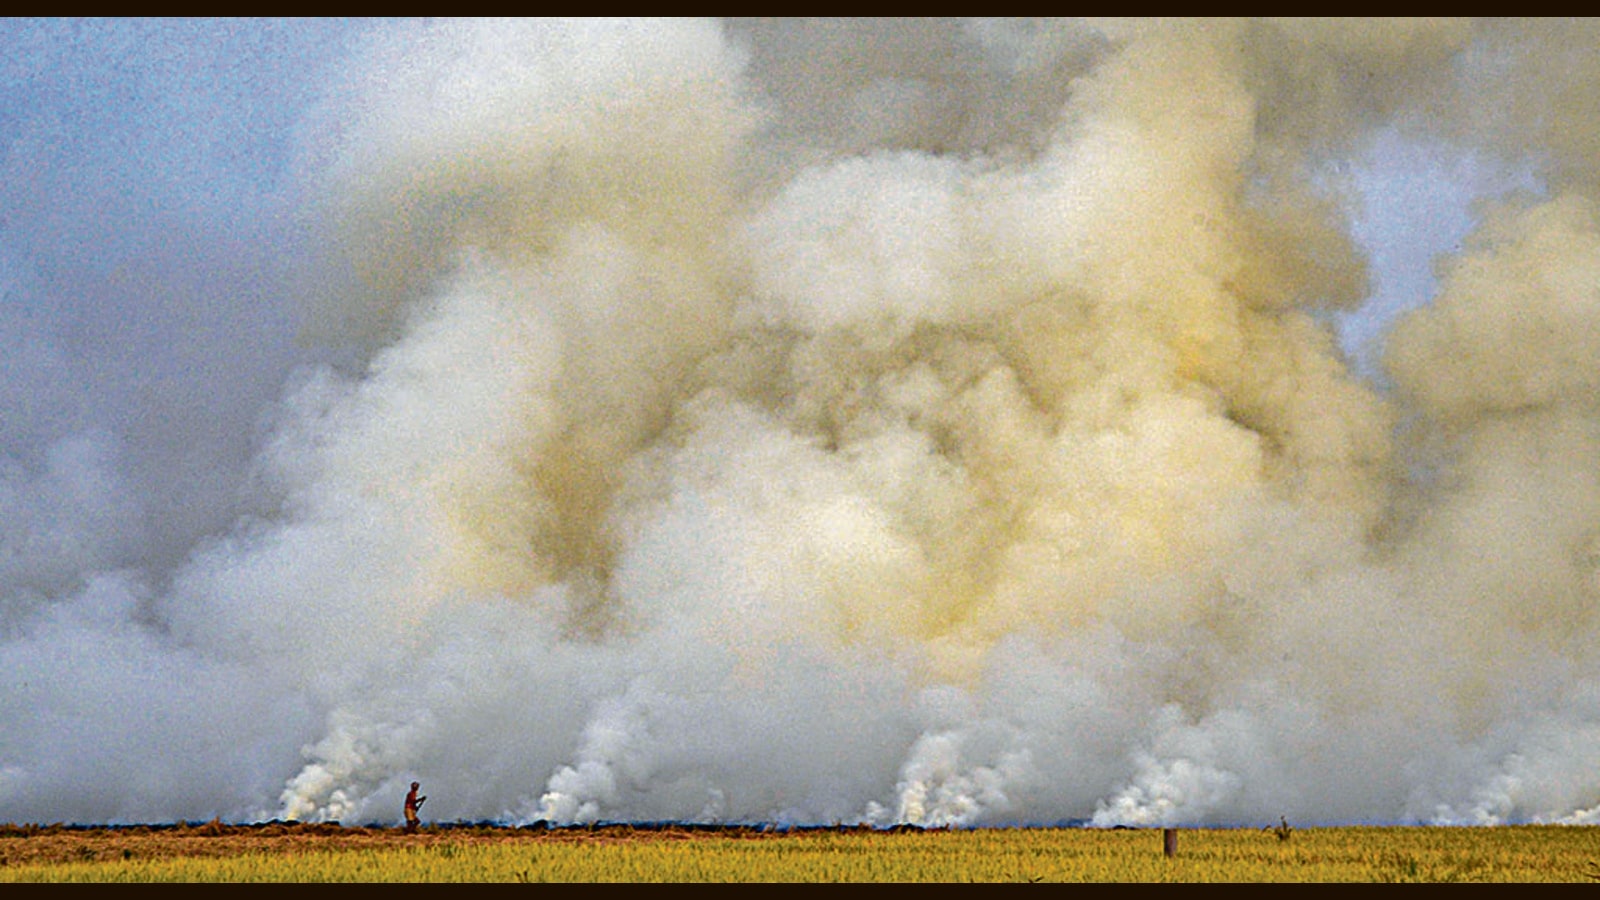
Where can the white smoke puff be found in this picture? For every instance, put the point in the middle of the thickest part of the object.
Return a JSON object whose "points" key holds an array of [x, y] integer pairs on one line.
{"points": [[447, 89], [1168, 793], [937, 791], [577, 794], [355, 757], [613, 751], [924, 782], [1589, 816], [875, 245], [610, 753], [1491, 803], [499, 134]]}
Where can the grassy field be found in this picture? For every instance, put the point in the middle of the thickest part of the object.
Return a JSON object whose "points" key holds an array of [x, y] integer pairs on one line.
{"points": [[291, 852]]}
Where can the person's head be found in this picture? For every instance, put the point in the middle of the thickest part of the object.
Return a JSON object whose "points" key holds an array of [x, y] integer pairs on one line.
{"points": [[415, 785]]}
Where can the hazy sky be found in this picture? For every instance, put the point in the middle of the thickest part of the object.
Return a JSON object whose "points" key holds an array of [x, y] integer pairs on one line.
{"points": [[898, 420]]}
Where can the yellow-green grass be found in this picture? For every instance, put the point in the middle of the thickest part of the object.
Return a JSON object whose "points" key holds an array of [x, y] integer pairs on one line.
{"points": [[1521, 853]]}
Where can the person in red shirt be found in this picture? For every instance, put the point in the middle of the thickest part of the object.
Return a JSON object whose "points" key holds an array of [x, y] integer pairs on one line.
{"points": [[413, 804]]}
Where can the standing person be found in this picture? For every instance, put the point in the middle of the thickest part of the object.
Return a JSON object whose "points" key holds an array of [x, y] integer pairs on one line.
{"points": [[413, 804]]}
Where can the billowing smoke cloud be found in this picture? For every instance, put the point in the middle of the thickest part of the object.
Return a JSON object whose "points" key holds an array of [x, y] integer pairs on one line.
{"points": [[933, 422]]}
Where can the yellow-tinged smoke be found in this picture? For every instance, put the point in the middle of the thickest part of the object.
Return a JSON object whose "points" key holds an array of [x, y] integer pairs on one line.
{"points": [[907, 360], [932, 421]]}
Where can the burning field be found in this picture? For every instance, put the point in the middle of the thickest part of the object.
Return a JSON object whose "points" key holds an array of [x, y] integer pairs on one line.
{"points": [[919, 422]]}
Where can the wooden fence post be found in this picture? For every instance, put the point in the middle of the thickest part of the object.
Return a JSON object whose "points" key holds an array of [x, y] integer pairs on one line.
{"points": [[1169, 842]]}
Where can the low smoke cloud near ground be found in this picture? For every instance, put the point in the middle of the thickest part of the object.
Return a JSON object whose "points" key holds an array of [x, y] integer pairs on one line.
{"points": [[943, 422]]}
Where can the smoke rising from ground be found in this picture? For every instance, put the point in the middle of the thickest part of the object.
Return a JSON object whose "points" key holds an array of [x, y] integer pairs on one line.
{"points": [[935, 422]]}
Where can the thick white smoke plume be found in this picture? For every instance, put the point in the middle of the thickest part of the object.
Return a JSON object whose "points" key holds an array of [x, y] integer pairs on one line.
{"points": [[833, 421]]}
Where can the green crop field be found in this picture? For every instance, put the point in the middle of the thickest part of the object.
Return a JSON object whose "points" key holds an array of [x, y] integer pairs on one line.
{"points": [[1521, 853]]}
